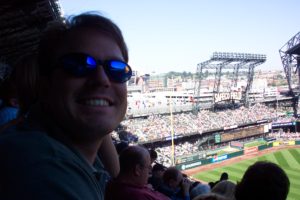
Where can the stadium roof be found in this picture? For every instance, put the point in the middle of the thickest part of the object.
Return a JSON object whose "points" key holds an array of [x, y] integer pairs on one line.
{"points": [[294, 50], [21, 24]]}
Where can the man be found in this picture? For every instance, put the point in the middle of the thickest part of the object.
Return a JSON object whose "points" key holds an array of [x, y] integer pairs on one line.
{"points": [[263, 181], [175, 185], [131, 183], [223, 177], [153, 155], [82, 70], [156, 179]]}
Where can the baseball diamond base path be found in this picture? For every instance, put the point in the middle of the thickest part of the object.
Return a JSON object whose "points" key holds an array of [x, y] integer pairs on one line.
{"points": [[207, 167]]}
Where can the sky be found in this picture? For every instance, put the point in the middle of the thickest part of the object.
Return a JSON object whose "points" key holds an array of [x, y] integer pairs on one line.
{"points": [[176, 35]]}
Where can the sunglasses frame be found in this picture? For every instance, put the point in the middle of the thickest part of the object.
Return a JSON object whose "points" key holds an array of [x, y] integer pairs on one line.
{"points": [[77, 65]]}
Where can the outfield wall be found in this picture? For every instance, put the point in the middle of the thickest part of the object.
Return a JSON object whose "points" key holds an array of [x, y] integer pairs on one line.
{"points": [[190, 162]]}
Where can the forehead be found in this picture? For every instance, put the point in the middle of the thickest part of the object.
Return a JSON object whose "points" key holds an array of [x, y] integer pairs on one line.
{"points": [[146, 156], [89, 40]]}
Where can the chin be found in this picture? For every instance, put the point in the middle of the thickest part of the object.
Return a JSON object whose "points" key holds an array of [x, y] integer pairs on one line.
{"points": [[103, 127]]}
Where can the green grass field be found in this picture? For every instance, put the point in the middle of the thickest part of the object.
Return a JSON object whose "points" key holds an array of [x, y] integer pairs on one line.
{"points": [[288, 159]]}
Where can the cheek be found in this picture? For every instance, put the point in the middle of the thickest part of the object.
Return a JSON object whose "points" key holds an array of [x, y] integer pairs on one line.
{"points": [[122, 94], [60, 91]]}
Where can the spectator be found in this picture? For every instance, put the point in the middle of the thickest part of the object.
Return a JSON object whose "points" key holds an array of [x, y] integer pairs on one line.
{"points": [[81, 100], [153, 155], [156, 179], [198, 188], [175, 185], [23, 89], [263, 181], [225, 188], [8, 95], [132, 181], [211, 184], [223, 177], [121, 146]]}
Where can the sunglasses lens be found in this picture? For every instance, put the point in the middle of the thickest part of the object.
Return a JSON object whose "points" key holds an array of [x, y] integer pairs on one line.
{"points": [[118, 71], [78, 64], [91, 62]]}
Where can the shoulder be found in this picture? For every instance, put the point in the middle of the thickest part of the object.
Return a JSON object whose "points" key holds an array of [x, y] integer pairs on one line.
{"points": [[117, 190], [29, 145], [36, 166], [166, 190]]}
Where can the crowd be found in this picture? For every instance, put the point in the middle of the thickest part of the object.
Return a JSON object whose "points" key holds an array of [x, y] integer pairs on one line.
{"points": [[284, 119], [159, 126], [262, 181], [185, 148], [282, 135], [192, 148]]}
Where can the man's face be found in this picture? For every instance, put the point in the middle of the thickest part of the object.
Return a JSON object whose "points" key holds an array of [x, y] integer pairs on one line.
{"points": [[146, 169], [88, 107], [177, 183]]}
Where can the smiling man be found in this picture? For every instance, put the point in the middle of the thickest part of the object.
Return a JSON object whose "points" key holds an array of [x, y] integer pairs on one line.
{"points": [[82, 98]]}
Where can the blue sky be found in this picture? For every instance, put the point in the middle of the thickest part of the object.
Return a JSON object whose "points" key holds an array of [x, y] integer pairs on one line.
{"points": [[176, 35]]}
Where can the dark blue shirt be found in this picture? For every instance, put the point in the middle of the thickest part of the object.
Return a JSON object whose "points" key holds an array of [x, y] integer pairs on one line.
{"points": [[37, 166]]}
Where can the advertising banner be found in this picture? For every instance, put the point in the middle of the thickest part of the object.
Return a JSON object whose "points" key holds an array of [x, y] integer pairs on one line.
{"points": [[250, 150]]}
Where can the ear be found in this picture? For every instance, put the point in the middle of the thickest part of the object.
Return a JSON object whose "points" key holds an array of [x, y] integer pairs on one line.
{"points": [[137, 170]]}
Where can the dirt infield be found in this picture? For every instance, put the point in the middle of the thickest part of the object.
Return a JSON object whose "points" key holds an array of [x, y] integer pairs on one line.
{"points": [[196, 170]]}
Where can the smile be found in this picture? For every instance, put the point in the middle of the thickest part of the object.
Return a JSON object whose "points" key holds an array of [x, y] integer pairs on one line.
{"points": [[96, 102]]}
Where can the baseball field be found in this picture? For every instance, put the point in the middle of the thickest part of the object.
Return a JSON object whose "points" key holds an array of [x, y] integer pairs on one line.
{"points": [[288, 159]]}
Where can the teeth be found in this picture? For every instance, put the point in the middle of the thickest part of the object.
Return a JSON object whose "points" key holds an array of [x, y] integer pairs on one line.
{"points": [[96, 102]]}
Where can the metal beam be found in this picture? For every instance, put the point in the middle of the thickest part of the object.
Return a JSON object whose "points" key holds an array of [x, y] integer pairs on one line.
{"points": [[290, 58], [232, 61]]}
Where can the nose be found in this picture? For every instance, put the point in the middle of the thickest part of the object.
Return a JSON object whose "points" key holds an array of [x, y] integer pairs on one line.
{"points": [[99, 77]]}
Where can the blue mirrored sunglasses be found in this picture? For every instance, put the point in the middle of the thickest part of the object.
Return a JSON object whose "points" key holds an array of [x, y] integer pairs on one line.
{"points": [[80, 64]]}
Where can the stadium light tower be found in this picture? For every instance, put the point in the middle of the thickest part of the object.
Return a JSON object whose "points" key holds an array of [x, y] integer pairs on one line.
{"points": [[290, 58], [228, 61]]}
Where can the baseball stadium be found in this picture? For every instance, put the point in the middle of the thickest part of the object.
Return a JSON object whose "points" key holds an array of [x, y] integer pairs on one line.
{"points": [[225, 132], [220, 124]]}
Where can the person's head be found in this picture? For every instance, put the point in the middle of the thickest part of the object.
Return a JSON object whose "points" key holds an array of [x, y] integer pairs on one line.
{"points": [[135, 164], [263, 180], [199, 189], [173, 177], [8, 91], [153, 155], [225, 188], [224, 176], [158, 170], [121, 146], [211, 184], [83, 72]]}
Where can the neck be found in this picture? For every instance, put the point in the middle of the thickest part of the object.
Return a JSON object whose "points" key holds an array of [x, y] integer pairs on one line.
{"points": [[88, 151], [129, 179]]}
